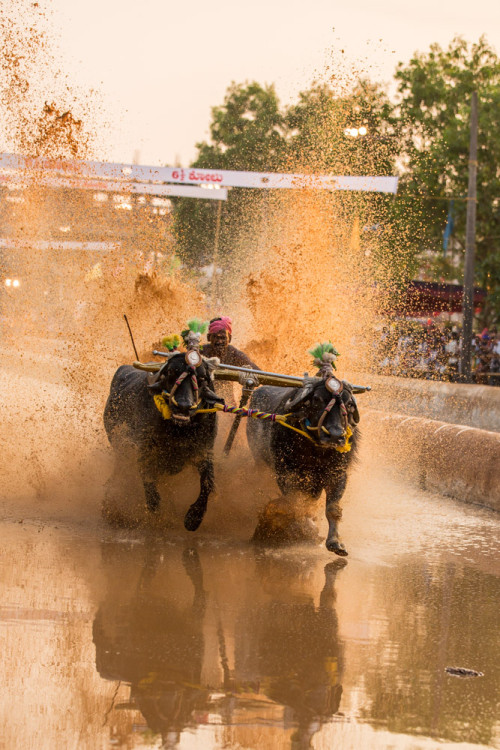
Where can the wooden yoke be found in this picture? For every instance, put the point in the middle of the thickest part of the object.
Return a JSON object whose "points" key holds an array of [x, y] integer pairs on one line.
{"points": [[265, 378], [282, 380], [220, 373]]}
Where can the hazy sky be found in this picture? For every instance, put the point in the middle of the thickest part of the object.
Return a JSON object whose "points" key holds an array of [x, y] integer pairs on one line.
{"points": [[161, 65]]}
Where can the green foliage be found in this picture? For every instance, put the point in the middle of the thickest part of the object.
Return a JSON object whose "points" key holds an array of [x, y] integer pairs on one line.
{"points": [[432, 119], [316, 128], [317, 141], [425, 136], [246, 131], [250, 131], [245, 134]]}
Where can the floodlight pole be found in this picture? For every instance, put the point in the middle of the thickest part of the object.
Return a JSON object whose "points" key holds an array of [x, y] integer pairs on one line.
{"points": [[470, 243]]}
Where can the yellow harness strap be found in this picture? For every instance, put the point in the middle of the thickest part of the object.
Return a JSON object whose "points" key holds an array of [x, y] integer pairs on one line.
{"points": [[162, 406], [339, 448]]}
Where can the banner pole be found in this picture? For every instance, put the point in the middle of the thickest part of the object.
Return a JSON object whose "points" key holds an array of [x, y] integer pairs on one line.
{"points": [[215, 258], [470, 243]]}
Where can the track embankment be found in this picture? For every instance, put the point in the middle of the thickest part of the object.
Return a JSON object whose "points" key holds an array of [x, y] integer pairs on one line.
{"points": [[471, 405], [455, 460]]}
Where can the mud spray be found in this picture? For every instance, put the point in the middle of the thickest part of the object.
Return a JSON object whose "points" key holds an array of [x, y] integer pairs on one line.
{"points": [[63, 333]]}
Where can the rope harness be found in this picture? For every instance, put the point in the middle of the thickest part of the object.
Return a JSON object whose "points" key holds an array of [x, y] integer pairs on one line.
{"points": [[163, 407], [337, 398], [165, 400]]}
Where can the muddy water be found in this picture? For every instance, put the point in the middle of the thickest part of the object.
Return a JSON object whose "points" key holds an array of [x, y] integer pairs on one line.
{"points": [[161, 639]]}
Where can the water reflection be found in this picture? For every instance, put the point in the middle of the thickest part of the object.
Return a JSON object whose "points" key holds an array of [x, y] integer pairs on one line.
{"points": [[270, 656], [223, 648], [145, 637], [430, 616], [291, 647]]}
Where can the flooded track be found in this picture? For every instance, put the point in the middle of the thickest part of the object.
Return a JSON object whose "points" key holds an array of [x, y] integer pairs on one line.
{"points": [[160, 638]]}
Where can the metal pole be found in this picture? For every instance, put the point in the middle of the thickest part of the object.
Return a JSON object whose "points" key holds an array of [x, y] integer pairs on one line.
{"points": [[470, 242], [216, 254]]}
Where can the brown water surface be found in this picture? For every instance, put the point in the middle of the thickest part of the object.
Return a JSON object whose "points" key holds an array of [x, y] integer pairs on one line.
{"points": [[143, 639]]}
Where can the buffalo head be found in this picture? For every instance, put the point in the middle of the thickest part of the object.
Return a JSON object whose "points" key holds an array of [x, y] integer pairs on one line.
{"points": [[325, 407], [185, 381]]}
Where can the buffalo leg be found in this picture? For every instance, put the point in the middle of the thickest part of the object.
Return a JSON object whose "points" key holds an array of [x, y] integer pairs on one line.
{"points": [[153, 497], [197, 510], [149, 474], [334, 514], [192, 566]]}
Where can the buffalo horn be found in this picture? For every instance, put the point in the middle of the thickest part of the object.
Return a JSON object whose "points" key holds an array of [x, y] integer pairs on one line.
{"points": [[301, 395]]}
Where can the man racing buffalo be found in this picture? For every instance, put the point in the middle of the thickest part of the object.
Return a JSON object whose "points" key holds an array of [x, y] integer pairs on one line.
{"points": [[219, 345]]}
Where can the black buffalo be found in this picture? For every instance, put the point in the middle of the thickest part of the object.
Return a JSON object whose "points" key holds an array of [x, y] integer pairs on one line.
{"points": [[166, 445], [325, 409]]}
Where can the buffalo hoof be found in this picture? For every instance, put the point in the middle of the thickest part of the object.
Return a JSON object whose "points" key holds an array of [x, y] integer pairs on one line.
{"points": [[333, 545], [194, 516]]}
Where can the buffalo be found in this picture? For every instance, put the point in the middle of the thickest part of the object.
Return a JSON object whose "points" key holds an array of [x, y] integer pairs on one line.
{"points": [[165, 419], [324, 411]]}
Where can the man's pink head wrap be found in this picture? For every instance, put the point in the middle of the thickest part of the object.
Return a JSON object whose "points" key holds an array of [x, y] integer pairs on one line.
{"points": [[221, 324]]}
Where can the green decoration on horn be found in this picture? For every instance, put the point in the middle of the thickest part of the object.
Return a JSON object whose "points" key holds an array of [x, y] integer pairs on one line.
{"points": [[324, 352], [171, 342], [195, 325]]}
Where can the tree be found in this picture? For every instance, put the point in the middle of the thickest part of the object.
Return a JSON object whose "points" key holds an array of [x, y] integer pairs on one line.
{"points": [[246, 134], [319, 139], [251, 132], [317, 130], [432, 118]]}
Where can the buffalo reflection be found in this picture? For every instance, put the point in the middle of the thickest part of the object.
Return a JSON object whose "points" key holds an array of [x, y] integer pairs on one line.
{"points": [[145, 638], [291, 647], [159, 632]]}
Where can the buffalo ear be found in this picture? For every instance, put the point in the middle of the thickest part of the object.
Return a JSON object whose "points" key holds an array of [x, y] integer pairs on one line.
{"points": [[155, 382], [300, 396], [353, 410], [351, 405]]}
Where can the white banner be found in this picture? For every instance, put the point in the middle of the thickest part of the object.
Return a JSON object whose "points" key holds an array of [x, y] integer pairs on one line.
{"points": [[44, 179], [194, 176], [10, 244]]}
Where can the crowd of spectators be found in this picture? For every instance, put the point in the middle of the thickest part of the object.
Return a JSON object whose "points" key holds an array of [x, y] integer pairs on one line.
{"points": [[432, 351]]}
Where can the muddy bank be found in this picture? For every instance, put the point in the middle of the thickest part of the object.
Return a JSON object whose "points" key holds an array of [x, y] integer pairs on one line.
{"points": [[472, 405], [454, 460]]}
